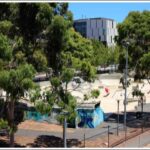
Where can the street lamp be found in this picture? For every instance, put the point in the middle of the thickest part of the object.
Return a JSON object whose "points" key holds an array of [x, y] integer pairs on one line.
{"points": [[64, 113], [125, 43], [118, 117], [108, 135], [142, 112]]}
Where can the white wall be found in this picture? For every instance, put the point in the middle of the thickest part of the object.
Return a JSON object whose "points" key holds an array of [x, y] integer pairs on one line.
{"points": [[96, 26]]}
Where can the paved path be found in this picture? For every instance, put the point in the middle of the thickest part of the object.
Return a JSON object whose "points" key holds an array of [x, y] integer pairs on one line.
{"points": [[93, 134], [139, 141], [90, 133], [77, 134]]}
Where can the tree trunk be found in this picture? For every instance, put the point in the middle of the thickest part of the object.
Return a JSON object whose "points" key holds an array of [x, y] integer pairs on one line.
{"points": [[11, 139], [11, 122], [66, 87]]}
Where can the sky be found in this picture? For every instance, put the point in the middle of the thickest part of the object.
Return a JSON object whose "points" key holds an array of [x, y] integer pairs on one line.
{"points": [[116, 11]]}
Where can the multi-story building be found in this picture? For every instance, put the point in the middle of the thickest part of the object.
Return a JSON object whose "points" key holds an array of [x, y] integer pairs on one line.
{"points": [[102, 29]]}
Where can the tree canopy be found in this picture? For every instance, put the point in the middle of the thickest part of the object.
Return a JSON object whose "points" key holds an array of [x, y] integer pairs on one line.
{"points": [[38, 36], [135, 28]]}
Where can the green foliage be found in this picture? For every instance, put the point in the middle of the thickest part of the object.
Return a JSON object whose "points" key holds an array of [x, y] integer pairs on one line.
{"points": [[137, 92], [135, 28], [78, 54], [29, 34], [5, 48], [88, 71], [114, 53], [31, 27], [5, 26], [69, 17], [122, 81], [86, 97], [104, 55], [50, 98], [39, 60], [43, 108], [70, 108], [20, 58], [34, 95], [61, 96], [145, 60], [41, 34], [67, 75], [26, 21], [79, 46], [100, 56], [57, 29], [3, 124], [144, 67], [55, 82], [77, 49], [95, 93], [44, 15], [16, 81]]}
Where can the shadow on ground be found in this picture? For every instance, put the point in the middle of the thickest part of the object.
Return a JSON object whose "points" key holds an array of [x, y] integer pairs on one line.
{"points": [[6, 144], [134, 119], [52, 141]]}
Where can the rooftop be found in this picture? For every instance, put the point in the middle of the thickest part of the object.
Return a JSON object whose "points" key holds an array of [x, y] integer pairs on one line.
{"points": [[98, 18], [87, 105]]}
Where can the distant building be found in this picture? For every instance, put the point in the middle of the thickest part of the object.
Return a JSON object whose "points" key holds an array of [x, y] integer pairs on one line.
{"points": [[102, 29]]}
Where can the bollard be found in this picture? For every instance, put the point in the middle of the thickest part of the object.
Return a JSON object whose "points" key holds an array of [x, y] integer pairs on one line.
{"points": [[118, 118], [108, 135], [84, 139], [64, 133]]}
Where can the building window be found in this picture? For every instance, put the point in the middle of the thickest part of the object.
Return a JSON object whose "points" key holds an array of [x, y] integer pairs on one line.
{"points": [[81, 28], [112, 24], [104, 32]]}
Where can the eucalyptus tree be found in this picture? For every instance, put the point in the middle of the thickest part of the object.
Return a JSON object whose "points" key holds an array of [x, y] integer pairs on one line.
{"points": [[15, 82], [145, 68], [134, 28]]}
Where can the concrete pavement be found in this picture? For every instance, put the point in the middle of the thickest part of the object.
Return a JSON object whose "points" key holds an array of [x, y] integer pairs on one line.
{"points": [[138, 141], [77, 134]]}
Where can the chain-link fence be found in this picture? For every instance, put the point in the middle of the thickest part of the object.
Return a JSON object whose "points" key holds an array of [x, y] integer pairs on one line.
{"points": [[118, 136]]}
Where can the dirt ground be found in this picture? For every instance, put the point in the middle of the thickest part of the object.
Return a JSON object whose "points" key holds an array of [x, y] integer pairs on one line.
{"points": [[53, 141], [42, 126], [147, 146], [40, 141]]}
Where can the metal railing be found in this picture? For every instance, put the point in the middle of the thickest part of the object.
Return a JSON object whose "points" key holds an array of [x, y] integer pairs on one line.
{"points": [[141, 126]]}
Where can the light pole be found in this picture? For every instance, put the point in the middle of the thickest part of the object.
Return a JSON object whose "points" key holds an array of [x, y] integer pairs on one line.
{"points": [[108, 135], [64, 113], [64, 133], [84, 139], [118, 117], [125, 44], [76, 119], [142, 112]]}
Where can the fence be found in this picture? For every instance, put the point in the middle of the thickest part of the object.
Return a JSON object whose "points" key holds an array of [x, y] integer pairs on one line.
{"points": [[116, 136]]}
